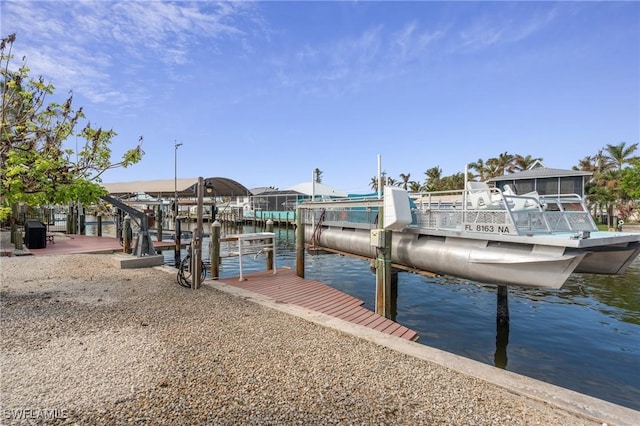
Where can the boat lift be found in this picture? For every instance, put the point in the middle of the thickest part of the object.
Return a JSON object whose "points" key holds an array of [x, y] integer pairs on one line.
{"points": [[143, 245]]}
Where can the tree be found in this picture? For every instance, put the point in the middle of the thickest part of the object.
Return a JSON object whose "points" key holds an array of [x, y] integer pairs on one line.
{"points": [[630, 181], [36, 168], [317, 175], [404, 180], [520, 163], [432, 182], [620, 154]]}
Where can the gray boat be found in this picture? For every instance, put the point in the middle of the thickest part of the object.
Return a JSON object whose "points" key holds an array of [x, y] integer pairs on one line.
{"points": [[481, 233]]}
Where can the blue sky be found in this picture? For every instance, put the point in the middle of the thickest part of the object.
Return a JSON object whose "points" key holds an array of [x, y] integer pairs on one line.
{"points": [[265, 92]]}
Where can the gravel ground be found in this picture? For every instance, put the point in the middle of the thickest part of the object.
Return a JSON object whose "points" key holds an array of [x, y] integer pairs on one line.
{"points": [[92, 344]]}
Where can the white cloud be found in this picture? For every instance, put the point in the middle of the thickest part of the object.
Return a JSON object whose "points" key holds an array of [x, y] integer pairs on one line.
{"points": [[83, 45]]}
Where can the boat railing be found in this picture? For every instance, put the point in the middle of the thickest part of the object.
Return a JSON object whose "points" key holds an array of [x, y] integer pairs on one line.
{"points": [[499, 213]]}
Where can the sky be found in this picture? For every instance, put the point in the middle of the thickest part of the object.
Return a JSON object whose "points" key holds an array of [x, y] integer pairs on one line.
{"points": [[265, 92]]}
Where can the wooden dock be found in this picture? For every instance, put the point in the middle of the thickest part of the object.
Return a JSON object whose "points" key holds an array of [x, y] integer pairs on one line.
{"points": [[287, 287]]}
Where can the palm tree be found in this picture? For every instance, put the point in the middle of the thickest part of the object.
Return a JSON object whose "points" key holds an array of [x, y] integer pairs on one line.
{"points": [[374, 183], [404, 178], [415, 186], [520, 163], [500, 165], [434, 175], [482, 172], [620, 154]]}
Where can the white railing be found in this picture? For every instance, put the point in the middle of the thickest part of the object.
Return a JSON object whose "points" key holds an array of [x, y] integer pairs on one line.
{"points": [[493, 212]]}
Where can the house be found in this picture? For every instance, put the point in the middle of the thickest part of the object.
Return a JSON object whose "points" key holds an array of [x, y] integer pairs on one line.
{"points": [[544, 180]]}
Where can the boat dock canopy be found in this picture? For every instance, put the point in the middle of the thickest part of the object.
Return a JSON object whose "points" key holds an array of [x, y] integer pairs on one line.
{"points": [[186, 187]]}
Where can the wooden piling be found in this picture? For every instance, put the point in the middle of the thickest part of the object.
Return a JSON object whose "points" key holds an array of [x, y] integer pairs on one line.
{"points": [[159, 224], [502, 313], [299, 244], [502, 327], [383, 276], [214, 251], [99, 224], [383, 267], [128, 234], [196, 276], [269, 252], [178, 241]]}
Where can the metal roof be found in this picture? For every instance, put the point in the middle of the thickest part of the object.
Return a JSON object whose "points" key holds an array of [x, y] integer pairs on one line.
{"points": [[540, 173], [186, 187]]}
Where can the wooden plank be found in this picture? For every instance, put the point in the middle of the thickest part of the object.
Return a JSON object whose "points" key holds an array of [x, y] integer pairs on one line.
{"points": [[287, 287]]}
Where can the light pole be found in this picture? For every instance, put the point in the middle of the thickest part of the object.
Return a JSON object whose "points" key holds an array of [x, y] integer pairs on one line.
{"points": [[175, 178]]}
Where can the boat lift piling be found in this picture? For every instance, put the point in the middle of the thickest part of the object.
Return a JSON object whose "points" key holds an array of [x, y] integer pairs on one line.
{"points": [[502, 327]]}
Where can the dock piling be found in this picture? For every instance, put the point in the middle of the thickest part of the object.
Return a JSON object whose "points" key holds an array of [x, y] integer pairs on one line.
{"points": [[214, 251], [299, 244], [269, 252]]}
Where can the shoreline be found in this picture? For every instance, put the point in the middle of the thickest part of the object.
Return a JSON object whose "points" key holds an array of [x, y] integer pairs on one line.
{"points": [[110, 346]]}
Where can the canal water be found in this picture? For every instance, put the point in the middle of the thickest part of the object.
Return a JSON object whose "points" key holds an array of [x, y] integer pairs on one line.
{"points": [[584, 337]]}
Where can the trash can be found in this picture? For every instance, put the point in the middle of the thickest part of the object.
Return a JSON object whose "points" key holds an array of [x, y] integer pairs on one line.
{"points": [[35, 234]]}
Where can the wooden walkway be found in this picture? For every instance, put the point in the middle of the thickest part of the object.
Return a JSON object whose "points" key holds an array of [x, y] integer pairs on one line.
{"points": [[287, 287], [75, 243]]}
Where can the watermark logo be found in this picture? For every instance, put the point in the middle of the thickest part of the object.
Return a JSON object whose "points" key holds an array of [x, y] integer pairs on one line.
{"points": [[35, 413]]}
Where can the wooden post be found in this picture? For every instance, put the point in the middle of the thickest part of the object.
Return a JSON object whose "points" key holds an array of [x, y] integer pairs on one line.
{"points": [[197, 239], [269, 252], [383, 269], [14, 230], [178, 241], [128, 234], [81, 220], [393, 302], [99, 225], [215, 250], [70, 219], [299, 244], [502, 327], [159, 224], [74, 220], [17, 240]]}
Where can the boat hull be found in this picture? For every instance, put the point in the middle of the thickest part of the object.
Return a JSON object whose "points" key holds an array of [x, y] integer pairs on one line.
{"points": [[609, 260], [482, 260]]}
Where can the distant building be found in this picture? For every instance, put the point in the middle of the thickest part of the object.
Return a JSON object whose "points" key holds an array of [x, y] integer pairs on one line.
{"points": [[265, 202], [544, 180]]}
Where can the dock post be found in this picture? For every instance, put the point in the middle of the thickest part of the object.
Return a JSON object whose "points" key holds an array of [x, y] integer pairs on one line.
{"points": [[159, 224], [299, 245], [269, 252], [393, 302], [383, 268], [196, 245], [99, 225], [178, 240], [128, 234], [384, 276], [502, 327], [214, 251]]}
